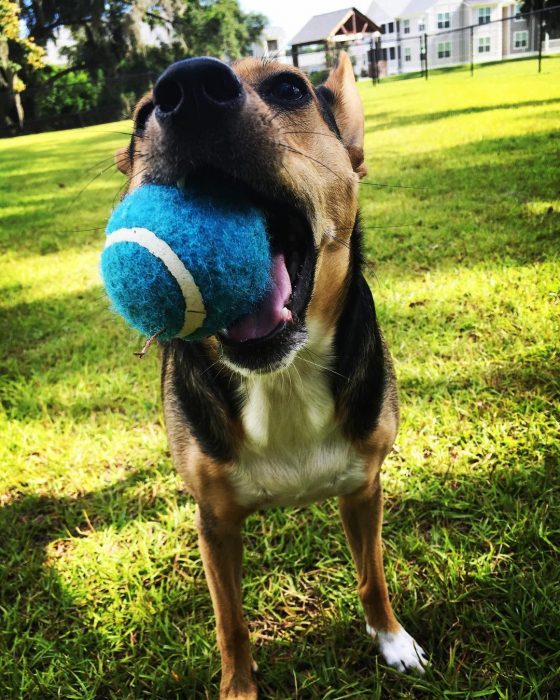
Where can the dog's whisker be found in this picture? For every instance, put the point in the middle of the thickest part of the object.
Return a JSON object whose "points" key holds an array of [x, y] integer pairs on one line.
{"points": [[210, 366], [370, 228], [314, 160], [399, 187], [302, 386], [125, 133], [83, 230], [324, 368], [98, 175], [103, 162], [335, 238], [284, 114], [312, 133]]}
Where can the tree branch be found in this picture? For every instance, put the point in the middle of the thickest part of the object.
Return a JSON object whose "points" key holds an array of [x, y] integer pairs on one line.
{"points": [[62, 73]]}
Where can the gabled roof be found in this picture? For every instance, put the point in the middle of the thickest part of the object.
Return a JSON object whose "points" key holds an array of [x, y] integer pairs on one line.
{"points": [[415, 7], [323, 27], [386, 10]]}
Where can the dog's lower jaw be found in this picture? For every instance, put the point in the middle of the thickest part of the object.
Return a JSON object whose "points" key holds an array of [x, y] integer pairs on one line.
{"points": [[261, 364], [271, 368]]}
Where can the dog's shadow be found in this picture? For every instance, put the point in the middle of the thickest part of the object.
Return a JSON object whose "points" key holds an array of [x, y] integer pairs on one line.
{"points": [[48, 637]]}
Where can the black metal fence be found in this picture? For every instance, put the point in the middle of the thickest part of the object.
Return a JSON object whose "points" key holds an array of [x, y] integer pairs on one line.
{"points": [[422, 44]]}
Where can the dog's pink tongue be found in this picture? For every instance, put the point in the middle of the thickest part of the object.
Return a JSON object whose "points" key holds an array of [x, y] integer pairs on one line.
{"points": [[271, 312]]}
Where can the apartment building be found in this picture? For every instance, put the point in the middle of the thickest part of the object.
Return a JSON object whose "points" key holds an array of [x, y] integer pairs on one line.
{"points": [[457, 31]]}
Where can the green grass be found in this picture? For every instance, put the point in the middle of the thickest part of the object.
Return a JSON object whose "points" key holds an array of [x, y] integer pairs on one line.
{"points": [[101, 588]]}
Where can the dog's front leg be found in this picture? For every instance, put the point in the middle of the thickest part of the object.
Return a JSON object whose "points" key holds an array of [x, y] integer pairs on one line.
{"points": [[222, 550], [362, 516]]}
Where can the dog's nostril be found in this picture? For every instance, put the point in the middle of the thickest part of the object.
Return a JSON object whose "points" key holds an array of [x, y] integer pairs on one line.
{"points": [[221, 88], [195, 91], [168, 95]]}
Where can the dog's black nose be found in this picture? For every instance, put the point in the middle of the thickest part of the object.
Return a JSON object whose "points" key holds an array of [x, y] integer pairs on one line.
{"points": [[197, 90]]}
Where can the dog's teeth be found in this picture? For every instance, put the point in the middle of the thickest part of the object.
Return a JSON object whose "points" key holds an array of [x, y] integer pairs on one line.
{"points": [[286, 315]]}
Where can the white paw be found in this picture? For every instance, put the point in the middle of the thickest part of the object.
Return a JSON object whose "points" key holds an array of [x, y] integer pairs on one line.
{"points": [[400, 650]]}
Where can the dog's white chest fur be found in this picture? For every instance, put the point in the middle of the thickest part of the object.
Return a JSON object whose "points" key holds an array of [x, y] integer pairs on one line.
{"points": [[294, 453]]}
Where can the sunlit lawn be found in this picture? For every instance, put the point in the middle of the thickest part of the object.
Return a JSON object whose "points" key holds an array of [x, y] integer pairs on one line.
{"points": [[101, 588]]}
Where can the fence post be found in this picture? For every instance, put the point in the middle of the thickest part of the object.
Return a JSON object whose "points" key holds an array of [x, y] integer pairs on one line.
{"points": [[472, 50], [541, 24], [426, 52], [295, 58]]}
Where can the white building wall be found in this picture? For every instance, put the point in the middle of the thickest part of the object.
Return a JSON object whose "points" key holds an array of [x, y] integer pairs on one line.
{"points": [[489, 42], [448, 42], [272, 42]]}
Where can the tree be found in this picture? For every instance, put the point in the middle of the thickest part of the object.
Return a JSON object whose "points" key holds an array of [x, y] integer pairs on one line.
{"points": [[530, 5], [107, 40], [208, 27], [219, 28], [16, 53], [551, 19]]}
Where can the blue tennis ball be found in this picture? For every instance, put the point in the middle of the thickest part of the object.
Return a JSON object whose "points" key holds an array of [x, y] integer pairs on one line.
{"points": [[185, 262]]}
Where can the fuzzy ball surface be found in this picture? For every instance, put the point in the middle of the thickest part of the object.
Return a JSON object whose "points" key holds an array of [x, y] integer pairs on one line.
{"points": [[185, 261]]}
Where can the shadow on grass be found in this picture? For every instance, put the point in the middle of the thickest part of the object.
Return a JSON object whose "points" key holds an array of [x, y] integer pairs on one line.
{"points": [[374, 124], [532, 377], [49, 637], [487, 188]]}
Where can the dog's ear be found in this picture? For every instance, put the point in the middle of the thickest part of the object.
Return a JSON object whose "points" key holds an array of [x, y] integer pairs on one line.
{"points": [[122, 160], [348, 110]]}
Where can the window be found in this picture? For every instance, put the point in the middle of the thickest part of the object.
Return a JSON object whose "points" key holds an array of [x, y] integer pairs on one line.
{"points": [[517, 10], [392, 55], [444, 49], [443, 20], [272, 45], [391, 27], [422, 24], [383, 27], [521, 40], [484, 15], [484, 44], [406, 26], [408, 55]]}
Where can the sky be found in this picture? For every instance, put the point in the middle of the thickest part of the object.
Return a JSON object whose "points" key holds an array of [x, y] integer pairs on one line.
{"points": [[291, 15]]}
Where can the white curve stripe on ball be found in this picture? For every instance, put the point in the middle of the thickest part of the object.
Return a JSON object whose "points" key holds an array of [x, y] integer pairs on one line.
{"points": [[195, 311]]}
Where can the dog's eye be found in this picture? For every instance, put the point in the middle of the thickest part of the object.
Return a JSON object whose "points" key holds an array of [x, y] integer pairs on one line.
{"points": [[288, 89], [285, 90]]}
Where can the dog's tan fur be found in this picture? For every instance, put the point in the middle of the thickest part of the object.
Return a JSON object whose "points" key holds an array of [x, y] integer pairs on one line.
{"points": [[301, 153]]}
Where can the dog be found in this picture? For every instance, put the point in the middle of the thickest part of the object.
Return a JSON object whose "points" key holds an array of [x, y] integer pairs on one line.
{"points": [[297, 402]]}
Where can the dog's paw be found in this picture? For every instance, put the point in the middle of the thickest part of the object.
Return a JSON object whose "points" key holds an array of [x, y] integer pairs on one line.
{"points": [[400, 651]]}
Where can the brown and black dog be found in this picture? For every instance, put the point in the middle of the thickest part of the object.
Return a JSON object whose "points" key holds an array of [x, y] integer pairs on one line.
{"points": [[297, 402]]}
